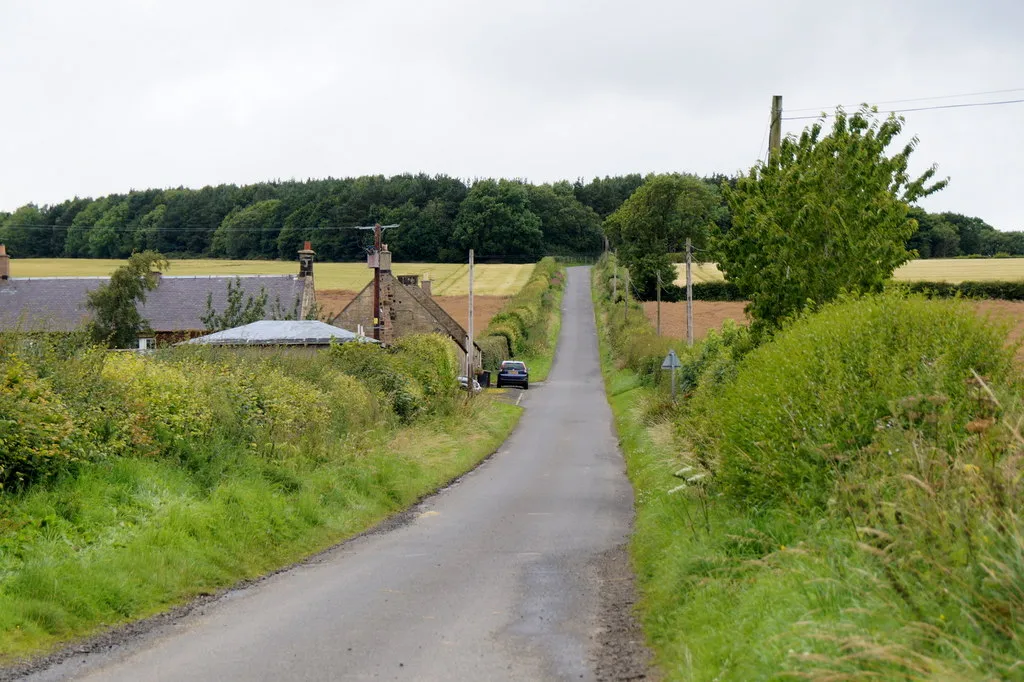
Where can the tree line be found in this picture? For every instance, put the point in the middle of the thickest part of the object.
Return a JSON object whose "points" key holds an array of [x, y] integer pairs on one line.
{"points": [[441, 217]]}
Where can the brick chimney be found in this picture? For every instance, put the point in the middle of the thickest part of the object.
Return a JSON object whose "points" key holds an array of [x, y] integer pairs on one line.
{"points": [[308, 304], [5, 263], [385, 259], [306, 254], [426, 285]]}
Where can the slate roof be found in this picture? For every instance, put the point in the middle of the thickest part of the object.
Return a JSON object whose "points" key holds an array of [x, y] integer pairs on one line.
{"points": [[177, 304], [279, 333]]}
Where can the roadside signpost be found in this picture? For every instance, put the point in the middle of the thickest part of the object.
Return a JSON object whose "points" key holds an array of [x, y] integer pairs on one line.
{"points": [[671, 362]]}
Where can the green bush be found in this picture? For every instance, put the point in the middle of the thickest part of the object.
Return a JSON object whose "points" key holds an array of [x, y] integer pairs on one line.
{"points": [[494, 350], [376, 367], [37, 433], [430, 358], [828, 383]]}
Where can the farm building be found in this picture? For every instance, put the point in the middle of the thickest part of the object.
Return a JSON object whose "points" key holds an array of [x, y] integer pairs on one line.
{"points": [[406, 307], [174, 309]]}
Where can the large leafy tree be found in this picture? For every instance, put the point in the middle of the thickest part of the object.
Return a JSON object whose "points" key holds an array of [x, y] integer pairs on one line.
{"points": [[25, 232], [827, 213], [569, 227], [249, 232], [656, 221], [495, 219], [117, 322]]}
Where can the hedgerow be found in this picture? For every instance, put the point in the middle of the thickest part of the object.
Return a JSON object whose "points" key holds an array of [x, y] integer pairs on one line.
{"points": [[521, 325], [60, 409]]}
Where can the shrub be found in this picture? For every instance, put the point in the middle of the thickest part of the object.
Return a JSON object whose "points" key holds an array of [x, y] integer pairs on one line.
{"points": [[430, 358], [376, 368], [494, 350], [160, 405], [822, 387], [36, 430]]}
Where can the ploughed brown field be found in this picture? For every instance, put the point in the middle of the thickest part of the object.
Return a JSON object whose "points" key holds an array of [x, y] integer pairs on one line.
{"points": [[706, 315], [711, 315], [484, 307]]}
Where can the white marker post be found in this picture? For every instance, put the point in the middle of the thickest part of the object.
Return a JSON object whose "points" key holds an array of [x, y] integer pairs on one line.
{"points": [[671, 362]]}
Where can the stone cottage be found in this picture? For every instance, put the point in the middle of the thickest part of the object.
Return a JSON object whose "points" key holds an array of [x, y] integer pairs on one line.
{"points": [[406, 307]]}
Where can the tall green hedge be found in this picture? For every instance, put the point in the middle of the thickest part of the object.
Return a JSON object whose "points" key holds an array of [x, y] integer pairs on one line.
{"points": [[522, 322]]}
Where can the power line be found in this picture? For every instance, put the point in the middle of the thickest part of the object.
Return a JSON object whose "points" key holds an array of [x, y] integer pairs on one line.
{"points": [[904, 111], [211, 230], [922, 99], [763, 138]]}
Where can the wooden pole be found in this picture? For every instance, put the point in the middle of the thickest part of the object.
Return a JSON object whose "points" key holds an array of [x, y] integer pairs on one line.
{"points": [[376, 283], [689, 293], [615, 283], [658, 328], [469, 338], [775, 137]]}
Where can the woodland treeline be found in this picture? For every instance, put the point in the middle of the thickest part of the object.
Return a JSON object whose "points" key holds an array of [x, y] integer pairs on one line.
{"points": [[440, 217]]}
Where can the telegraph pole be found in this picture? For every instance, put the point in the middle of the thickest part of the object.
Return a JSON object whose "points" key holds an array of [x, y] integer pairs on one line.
{"points": [[376, 282], [689, 293], [775, 136], [469, 337], [373, 261]]}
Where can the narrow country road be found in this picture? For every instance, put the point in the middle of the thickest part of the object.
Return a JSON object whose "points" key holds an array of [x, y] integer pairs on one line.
{"points": [[497, 578]]}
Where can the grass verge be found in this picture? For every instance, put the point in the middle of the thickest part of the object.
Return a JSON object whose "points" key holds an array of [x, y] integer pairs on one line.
{"points": [[886, 541], [130, 537]]}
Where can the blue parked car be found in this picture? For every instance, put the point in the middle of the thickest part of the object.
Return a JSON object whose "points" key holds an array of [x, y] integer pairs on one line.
{"points": [[513, 373]]}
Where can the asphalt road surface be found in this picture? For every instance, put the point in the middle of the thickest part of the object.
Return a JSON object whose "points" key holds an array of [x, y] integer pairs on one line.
{"points": [[496, 578]]}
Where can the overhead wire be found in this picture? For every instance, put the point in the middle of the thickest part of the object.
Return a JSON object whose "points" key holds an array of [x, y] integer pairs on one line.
{"points": [[903, 111], [923, 99]]}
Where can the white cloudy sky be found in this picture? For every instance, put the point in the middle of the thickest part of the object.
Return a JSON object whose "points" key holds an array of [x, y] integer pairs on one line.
{"points": [[105, 96]]}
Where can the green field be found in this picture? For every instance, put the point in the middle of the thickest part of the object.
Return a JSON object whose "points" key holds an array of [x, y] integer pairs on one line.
{"points": [[931, 270], [450, 279]]}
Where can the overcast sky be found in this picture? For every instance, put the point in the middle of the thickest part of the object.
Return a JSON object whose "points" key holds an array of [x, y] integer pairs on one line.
{"points": [[103, 96]]}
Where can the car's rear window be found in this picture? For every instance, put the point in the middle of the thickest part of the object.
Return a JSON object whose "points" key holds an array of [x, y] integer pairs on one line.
{"points": [[513, 365]]}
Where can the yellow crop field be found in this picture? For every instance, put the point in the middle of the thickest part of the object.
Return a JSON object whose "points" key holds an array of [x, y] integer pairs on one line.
{"points": [[450, 279], [929, 270]]}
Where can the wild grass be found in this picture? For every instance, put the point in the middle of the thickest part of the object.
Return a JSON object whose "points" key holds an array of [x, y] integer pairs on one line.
{"points": [[129, 537], [449, 279], [902, 556]]}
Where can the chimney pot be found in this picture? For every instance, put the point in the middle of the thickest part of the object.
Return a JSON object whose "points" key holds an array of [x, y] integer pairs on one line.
{"points": [[306, 260], [5, 263]]}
